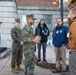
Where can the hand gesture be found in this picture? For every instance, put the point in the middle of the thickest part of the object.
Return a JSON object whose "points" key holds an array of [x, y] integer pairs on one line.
{"points": [[21, 43], [37, 39]]}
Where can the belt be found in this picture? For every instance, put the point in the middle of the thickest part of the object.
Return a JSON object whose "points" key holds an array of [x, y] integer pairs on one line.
{"points": [[71, 52]]}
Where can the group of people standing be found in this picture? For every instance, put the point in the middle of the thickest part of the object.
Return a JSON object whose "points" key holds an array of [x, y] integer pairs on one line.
{"points": [[24, 41]]}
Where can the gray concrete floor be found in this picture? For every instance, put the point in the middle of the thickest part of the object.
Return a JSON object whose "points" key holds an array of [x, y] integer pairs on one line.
{"points": [[6, 70], [5, 65]]}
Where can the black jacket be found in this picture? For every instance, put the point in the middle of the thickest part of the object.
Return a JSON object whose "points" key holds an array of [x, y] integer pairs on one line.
{"points": [[40, 31]]}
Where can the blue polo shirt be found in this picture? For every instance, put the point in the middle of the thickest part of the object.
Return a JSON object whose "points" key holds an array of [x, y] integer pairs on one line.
{"points": [[60, 36]]}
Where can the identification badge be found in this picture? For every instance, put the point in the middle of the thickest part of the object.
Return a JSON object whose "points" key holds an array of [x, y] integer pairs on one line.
{"points": [[60, 31], [56, 32], [42, 31], [67, 34]]}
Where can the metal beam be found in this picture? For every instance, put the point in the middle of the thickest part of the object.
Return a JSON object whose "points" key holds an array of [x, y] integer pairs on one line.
{"points": [[62, 9]]}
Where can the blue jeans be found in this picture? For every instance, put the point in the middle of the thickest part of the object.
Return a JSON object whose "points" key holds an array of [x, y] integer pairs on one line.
{"points": [[43, 44]]}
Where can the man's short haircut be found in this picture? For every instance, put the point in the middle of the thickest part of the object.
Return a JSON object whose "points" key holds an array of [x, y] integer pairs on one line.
{"points": [[73, 10], [59, 18]]}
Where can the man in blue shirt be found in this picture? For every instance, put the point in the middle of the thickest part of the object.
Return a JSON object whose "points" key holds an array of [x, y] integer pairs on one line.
{"points": [[60, 41]]}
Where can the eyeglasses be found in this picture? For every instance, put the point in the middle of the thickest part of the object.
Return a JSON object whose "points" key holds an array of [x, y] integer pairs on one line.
{"points": [[59, 21], [33, 18]]}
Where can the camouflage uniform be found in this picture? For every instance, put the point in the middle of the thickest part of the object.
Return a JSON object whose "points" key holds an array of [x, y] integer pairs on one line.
{"points": [[28, 48], [16, 34]]}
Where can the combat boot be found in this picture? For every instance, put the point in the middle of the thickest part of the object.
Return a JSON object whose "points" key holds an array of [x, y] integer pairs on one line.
{"points": [[14, 71], [19, 68]]}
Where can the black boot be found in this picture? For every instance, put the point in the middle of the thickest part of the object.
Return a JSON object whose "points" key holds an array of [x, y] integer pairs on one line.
{"points": [[44, 60], [56, 71], [38, 60]]}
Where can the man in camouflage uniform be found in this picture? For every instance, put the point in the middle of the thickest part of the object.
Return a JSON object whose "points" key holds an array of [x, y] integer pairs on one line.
{"points": [[16, 34], [29, 45]]}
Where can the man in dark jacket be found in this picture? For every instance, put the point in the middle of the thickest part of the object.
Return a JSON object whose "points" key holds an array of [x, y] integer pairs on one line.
{"points": [[60, 41]]}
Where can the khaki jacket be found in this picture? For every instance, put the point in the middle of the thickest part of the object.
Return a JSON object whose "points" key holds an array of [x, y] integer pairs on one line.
{"points": [[72, 37]]}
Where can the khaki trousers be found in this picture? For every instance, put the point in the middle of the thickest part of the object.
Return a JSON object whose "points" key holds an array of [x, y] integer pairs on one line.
{"points": [[60, 52]]}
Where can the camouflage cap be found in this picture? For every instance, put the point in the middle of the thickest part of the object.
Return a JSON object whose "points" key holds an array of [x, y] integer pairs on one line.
{"points": [[31, 16], [17, 20], [0, 22]]}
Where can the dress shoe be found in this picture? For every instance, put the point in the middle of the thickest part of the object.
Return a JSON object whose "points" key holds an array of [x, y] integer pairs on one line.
{"points": [[56, 71], [63, 71]]}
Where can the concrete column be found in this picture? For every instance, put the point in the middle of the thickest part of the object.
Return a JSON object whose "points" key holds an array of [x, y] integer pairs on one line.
{"points": [[8, 13]]}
